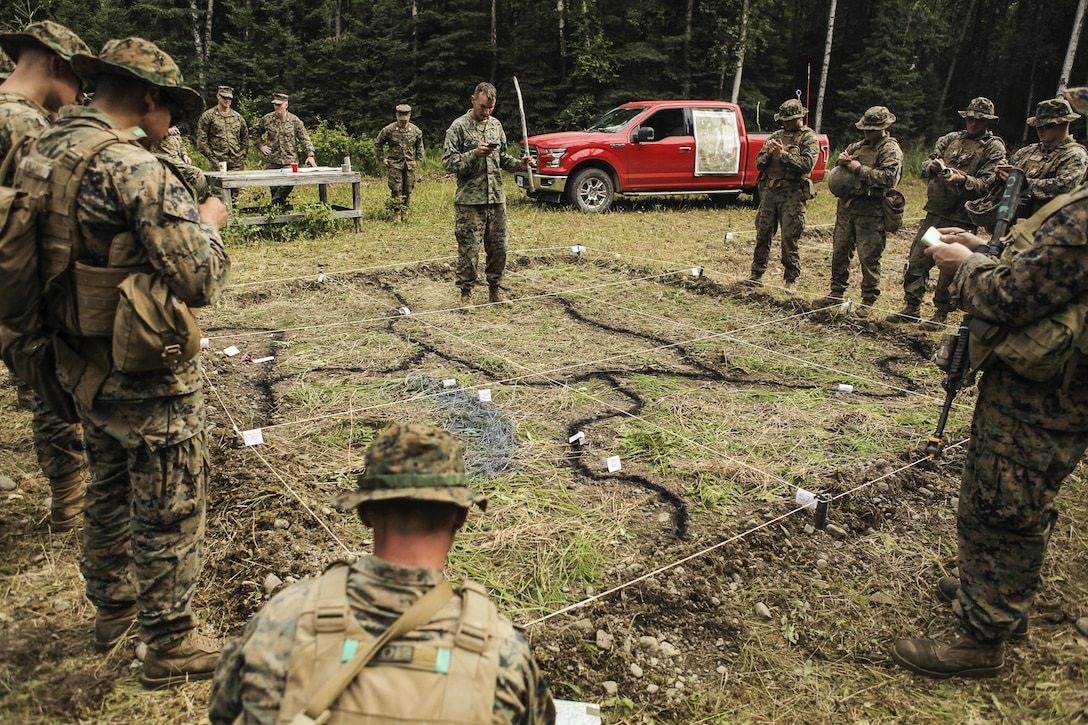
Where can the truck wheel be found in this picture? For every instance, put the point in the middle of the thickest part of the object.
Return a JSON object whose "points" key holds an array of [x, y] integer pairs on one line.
{"points": [[592, 191]]}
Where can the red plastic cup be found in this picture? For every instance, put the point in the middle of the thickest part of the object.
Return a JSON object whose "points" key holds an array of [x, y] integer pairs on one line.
{"points": [[294, 168]]}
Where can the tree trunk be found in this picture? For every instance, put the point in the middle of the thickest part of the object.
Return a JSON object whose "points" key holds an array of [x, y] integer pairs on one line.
{"points": [[198, 44], [494, 40], [827, 64], [740, 53], [955, 56], [560, 10], [685, 86], [208, 37], [415, 27], [1071, 51]]}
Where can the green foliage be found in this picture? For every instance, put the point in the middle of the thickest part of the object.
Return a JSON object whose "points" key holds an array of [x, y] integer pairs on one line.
{"points": [[333, 143]]}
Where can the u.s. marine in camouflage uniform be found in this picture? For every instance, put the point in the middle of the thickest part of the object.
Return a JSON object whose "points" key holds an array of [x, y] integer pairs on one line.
{"points": [[144, 431], [877, 164], [1026, 438], [405, 142], [222, 134], [414, 490], [961, 168], [785, 163], [475, 152], [286, 133], [1056, 164], [42, 83]]}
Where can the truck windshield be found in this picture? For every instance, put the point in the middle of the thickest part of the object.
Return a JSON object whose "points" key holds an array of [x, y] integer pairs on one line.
{"points": [[615, 119]]}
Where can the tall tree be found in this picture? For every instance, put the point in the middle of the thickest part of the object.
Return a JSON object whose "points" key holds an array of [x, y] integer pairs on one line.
{"points": [[826, 66]]}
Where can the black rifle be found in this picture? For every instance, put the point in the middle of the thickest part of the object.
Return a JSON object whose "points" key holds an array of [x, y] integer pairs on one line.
{"points": [[957, 365]]}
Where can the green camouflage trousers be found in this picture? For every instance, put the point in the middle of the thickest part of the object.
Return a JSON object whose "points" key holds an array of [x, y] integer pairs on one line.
{"points": [[279, 193], [145, 509], [859, 224], [475, 225], [1006, 515], [401, 183], [786, 206], [58, 445], [916, 275]]}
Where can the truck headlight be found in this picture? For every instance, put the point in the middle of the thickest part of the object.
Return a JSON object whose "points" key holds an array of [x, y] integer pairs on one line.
{"points": [[552, 157]]}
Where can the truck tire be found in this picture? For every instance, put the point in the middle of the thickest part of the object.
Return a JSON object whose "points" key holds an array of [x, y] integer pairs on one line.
{"points": [[592, 191]]}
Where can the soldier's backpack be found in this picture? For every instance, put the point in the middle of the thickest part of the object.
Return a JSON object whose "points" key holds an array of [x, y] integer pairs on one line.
{"points": [[339, 674], [1048, 347]]}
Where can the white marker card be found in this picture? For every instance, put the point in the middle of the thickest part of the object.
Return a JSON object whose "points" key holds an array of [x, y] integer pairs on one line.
{"points": [[729, 236], [696, 271], [932, 238], [613, 463], [321, 278], [231, 351], [205, 343], [579, 438], [449, 382], [577, 249], [253, 437], [264, 359], [485, 395], [806, 499], [404, 311]]}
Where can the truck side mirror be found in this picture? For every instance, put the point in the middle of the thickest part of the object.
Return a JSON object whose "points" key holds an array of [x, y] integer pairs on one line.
{"points": [[642, 133]]}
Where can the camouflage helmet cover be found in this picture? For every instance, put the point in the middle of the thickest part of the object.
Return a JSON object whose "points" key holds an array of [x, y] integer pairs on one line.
{"points": [[876, 118], [413, 461], [980, 107], [49, 35], [403, 109], [278, 98], [143, 61], [1053, 110], [790, 110]]}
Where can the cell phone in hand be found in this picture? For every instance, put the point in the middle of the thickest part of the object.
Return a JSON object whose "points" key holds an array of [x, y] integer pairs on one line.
{"points": [[494, 144]]}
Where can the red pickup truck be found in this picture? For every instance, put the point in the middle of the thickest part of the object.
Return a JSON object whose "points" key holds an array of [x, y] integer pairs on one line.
{"points": [[650, 148]]}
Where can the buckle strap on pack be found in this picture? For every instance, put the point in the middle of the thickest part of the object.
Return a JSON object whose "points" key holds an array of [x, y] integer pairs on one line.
{"points": [[474, 630]]}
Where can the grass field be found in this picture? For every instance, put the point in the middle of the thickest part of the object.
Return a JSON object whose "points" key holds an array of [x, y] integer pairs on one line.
{"points": [[686, 587]]}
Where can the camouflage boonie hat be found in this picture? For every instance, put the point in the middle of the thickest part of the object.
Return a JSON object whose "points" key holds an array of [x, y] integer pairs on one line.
{"points": [[877, 118], [417, 462], [278, 98], [790, 110], [980, 107], [6, 66], [1077, 98], [50, 35], [1054, 110], [143, 61], [225, 92], [403, 108]]}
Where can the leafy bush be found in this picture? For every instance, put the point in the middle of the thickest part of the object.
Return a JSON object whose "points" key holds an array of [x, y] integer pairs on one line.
{"points": [[332, 144]]}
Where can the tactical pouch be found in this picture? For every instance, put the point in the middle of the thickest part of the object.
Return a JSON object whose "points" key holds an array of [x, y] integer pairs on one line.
{"points": [[893, 204], [97, 295], [808, 188], [33, 359], [152, 329]]}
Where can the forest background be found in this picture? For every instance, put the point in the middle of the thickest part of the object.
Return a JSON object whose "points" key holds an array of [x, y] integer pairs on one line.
{"points": [[348, 62]]}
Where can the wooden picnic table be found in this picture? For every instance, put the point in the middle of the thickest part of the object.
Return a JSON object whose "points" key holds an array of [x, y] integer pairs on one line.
{"points": [[224, 181]]}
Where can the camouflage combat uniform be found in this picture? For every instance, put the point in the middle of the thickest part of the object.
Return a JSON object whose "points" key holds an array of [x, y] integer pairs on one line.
{"points": [[58, 444], [859, 217], [1026, 436], [173, 147], [1050, 171], [250, 681], [145, 432], [783, 195], [224, 137], [480, 200], [405, 154], [975, 158], [284, 136]]}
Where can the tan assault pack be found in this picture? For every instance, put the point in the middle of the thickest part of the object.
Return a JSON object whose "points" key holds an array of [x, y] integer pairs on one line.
{"points": [[1050, 346], [445, 680]]}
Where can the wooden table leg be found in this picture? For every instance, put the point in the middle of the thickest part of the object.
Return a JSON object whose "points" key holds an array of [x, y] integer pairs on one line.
{"points": [[323, 193], [357, 203]]}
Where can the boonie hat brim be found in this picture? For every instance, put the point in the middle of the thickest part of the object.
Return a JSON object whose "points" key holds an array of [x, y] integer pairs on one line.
{"points": [[462, 496], [89, 68]]}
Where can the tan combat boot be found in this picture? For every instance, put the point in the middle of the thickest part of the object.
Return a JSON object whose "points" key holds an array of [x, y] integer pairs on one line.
{"points": [[866, 308], [466, 299], [112, 625], [192, 658], [66, 508], [937, 322], [956, 655], [497, 297], [910, 313]]}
